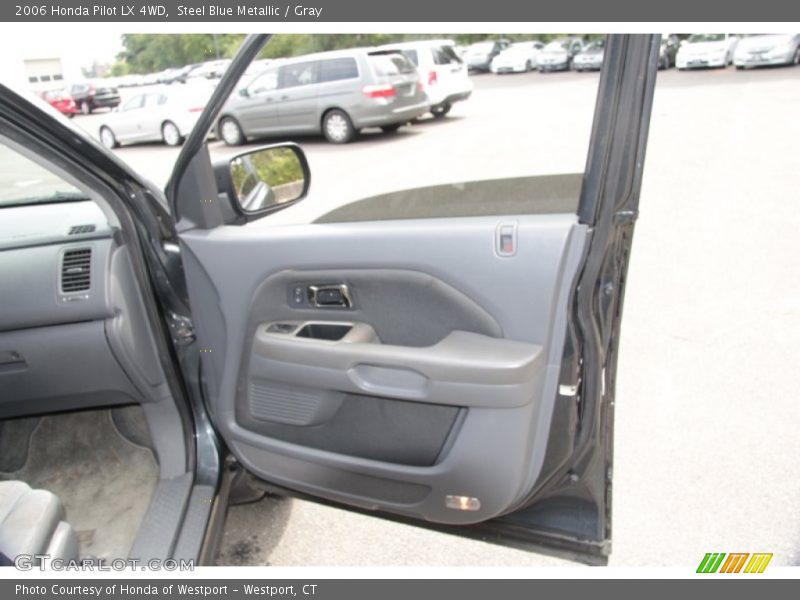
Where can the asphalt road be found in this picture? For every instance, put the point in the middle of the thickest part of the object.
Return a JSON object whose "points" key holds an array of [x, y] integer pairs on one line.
{"points": [[708, 408]]}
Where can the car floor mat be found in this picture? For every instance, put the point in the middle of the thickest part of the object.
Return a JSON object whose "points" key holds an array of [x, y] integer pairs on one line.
{"points": [[104, 481], [15, 438], [130, 423]]}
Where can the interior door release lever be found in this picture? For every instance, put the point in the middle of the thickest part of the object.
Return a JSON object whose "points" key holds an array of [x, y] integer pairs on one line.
{"points": [[330, 296]]}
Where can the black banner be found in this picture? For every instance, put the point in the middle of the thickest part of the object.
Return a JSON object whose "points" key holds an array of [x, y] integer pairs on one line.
{"points": [[340, 589], [330, 11]]}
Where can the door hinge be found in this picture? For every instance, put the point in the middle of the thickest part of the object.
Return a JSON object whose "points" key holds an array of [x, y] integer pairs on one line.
{"points": [[182, 329]]}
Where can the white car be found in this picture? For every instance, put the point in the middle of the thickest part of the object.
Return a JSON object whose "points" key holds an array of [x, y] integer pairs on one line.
{"points": [[444, 77], [154, 116], [213, 69], [520, 57], [706, 50], [772, 49]]}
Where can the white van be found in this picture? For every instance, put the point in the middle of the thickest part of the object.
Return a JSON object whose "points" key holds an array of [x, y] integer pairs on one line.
{"points": [[444, 76]]}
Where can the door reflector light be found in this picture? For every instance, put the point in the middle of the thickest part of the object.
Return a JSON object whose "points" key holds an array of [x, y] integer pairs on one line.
{"points": [[462, 503]]}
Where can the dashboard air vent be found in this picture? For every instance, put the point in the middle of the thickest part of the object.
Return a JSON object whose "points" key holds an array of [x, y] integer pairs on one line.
{"points": [[81, 229], [76, 270]]}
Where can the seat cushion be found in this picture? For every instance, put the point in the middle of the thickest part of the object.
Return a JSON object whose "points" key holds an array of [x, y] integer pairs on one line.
{"points": [[31, 522]]}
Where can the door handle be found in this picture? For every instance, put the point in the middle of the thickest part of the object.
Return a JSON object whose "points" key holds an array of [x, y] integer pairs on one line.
{"points": [[330, 296]]}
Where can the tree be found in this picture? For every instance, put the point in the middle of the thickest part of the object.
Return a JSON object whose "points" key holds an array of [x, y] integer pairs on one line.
{"points": [[149, 52]]}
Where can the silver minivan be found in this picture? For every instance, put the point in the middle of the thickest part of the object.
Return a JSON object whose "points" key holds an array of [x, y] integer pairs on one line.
{"points": [[333, 93]]}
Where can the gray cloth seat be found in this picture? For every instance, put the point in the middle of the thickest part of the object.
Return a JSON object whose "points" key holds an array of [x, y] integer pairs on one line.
{"points": [[32, 522]]}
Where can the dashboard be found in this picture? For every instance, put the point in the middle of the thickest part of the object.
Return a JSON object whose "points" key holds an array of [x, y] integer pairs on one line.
{"points": [[73, 329]]}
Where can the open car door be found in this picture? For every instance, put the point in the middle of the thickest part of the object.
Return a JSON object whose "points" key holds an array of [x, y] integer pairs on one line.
{"points": [[445, 361]]}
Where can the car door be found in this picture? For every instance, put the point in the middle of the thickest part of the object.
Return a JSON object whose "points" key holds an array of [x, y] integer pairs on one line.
{"points": [[450, 71], [443, 355], [297, 96], [575, 47], [151, 117], [127, 121], [257, 108]]}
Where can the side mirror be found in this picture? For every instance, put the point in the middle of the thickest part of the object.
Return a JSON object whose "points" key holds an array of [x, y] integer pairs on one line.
{"points": [[264, 180], [243, 92]]}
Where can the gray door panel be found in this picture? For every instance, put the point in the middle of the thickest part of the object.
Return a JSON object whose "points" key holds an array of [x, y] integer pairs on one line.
{"points": [[443, 387]]}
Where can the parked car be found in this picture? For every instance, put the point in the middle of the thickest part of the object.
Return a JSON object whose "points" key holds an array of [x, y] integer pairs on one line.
{"points": [[444, 77], [150, 79], [334, 93], [771, 49], [518, 58], [90, 96], [208, 70], [166, 76], [558, 54], [590, 58], [152, 117], [132, 80], [258, 66], [668, 50], [706, 50], [61, 101], [478, 56]]}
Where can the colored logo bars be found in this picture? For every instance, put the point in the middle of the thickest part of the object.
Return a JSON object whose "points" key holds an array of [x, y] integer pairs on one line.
{"points": [[737, 562]]}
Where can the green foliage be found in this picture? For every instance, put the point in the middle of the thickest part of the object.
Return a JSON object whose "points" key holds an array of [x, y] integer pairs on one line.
{"points": [[151, 52]]}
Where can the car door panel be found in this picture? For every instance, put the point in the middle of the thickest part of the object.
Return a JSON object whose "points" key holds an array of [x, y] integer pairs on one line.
{"points": [[526, 459], [446, 376], [258, 111], [297, 97]]}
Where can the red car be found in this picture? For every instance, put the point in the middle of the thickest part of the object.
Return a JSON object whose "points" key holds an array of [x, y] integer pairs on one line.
{"points": [[61, 101]]}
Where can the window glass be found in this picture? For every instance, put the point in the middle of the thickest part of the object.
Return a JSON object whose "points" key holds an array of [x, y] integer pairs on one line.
{"points": [[297, 74], [153, 100], [442, 57], [451, 55], [337, 69], [394, 63], [24, 182], [133, 103], [264, 83], [412, 56]]}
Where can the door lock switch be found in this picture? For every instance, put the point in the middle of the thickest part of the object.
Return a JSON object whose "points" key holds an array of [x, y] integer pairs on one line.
{"points": [[506, 239]]}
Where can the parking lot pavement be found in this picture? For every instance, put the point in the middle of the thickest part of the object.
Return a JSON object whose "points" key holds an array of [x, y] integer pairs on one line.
{"points": [[707, 406]]}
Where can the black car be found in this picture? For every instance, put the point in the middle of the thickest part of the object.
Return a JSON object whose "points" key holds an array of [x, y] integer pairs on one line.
{"points": [[451, 368], [478, 56], [89, 96], [668, 51]]}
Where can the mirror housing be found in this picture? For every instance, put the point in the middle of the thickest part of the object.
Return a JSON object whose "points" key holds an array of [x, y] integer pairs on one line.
{"points": [[263, 180], [244, 93]]}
